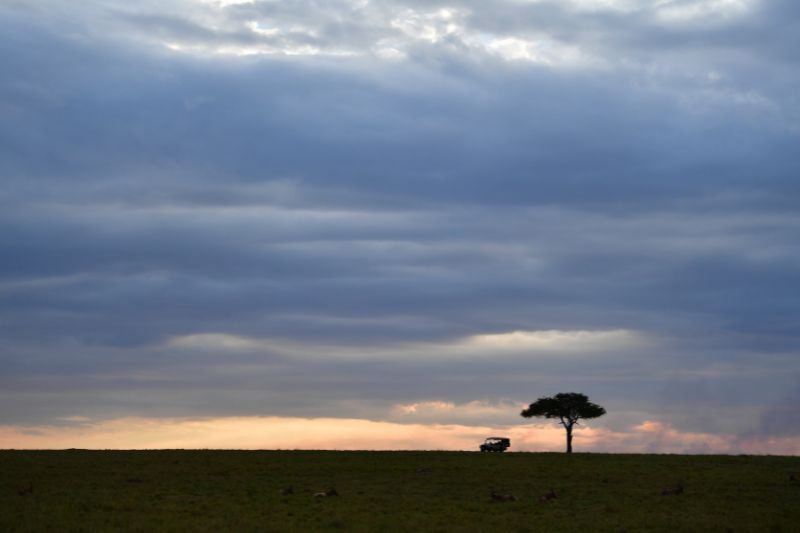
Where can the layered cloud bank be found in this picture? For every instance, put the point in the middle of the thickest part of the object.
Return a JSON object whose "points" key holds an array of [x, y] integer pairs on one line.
{"points": [[236, 212]]}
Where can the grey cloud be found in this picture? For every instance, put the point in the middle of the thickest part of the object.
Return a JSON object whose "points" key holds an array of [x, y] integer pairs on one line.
{"points": [[150, 194], [781, 418]]}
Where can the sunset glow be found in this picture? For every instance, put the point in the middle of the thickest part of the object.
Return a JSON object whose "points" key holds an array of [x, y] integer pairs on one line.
{"points": [[256, 433]]}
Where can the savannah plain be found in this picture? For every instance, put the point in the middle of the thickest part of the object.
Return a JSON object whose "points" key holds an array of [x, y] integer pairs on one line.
{"points": [[206, 490]]}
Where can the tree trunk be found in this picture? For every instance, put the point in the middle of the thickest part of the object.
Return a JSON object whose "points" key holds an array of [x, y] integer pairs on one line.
{"points": [[569, 438]]}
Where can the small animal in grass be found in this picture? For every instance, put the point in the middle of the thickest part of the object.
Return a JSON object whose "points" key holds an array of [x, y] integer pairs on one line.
{"points": [[327, 493], [793, 477], [287, 491], [27, 489], [503, 497], [548, 496], [673, 491]]}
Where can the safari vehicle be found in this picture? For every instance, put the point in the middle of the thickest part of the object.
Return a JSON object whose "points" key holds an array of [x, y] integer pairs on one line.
{"points": [[496, 444]]}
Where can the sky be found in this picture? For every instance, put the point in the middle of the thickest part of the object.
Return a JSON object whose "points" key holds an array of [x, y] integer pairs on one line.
{"points": [[363, 224]]}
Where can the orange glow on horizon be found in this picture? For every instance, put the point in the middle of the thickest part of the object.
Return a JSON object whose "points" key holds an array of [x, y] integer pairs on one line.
{"points": [[356, 434]]}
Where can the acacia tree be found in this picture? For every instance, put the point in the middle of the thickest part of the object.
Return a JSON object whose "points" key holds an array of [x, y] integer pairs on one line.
{"points": [[568, 407]]}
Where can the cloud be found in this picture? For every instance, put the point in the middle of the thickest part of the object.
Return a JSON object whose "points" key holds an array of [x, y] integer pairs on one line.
{"points": [[658, 437], [514, 344], [249, 433], [531, 341], [474, 413], [780, 419], [397, 203]]}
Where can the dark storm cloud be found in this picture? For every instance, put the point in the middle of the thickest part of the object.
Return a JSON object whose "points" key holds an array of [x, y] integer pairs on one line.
{"points": [[151, 195]]}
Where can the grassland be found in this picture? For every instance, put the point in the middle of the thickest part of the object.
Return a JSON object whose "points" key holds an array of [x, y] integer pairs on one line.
{"points": [[180, 490]]}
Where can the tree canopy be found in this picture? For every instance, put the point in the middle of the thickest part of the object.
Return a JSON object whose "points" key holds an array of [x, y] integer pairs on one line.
{"points": [[568, 407]]}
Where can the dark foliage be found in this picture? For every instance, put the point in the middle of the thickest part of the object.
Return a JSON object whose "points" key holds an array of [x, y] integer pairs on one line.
{"points": [[568, 407]]}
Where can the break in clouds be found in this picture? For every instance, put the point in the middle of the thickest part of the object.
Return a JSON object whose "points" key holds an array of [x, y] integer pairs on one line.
{"points": [[408, 213]]}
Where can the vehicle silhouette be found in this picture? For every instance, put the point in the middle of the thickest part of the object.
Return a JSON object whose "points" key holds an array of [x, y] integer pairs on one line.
{"points": [[496, 444]]}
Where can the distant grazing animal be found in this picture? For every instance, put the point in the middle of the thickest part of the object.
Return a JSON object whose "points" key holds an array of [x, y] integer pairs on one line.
{"points": [[288, 490], [546, 497], [326, 493], [24, 491], [673, 491], [503, 497]]}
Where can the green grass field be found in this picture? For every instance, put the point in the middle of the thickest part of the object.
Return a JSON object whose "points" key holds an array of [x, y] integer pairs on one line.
{"points": [[180, 490]]}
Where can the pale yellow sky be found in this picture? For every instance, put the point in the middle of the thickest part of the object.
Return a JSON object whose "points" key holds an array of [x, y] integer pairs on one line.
{"points": [[355, 434]]}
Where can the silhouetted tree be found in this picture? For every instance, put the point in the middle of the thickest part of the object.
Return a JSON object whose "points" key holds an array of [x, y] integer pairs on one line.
{"points": [[568, 407]]}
